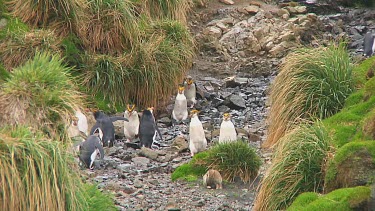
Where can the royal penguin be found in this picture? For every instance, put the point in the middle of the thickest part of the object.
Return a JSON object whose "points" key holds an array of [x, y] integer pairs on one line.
{"points": [[180, 112], [197, 142], [227, 130], [190, 91], [89, 150], [131, 128], [82, 122], [73, 130], [148, 129], [105, 124], [368, 44]]}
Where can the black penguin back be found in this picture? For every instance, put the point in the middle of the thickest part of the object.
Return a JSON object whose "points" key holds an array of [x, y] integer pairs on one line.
{"points": [[147, 129]]}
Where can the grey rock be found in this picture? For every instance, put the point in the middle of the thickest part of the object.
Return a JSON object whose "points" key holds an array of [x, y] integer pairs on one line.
{"points": [[236, 102], [148, 153], [141, 161]]}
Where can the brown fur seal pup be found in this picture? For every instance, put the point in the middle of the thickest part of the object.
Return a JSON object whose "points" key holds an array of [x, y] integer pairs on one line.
{"points": [[213, 179]]}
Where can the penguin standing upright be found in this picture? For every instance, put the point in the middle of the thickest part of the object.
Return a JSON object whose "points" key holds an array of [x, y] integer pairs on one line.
{"points": [[180, 112], [190, 91], [227, 130], [131, 128], [148, 128], [89, 149], [368, 44], [198, 140], [82, 122], [105, 124]]}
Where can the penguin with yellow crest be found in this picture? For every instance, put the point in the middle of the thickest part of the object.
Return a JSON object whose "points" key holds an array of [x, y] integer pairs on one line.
{"points": [[148, 129], [227, 130], [190, 91], [131, 128], [180, 112], [197, 142]]}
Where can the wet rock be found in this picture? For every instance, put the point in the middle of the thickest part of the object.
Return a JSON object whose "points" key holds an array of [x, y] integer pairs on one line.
{"points": [[236, 102], [148, 153], [141, 161], [180, 144]]}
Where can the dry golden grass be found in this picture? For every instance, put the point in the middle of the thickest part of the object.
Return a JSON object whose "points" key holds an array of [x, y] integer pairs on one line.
{"points": [[150, 73], [16, 49], [167, 9], [108, 26], [61, 15], [40, 94], [297, 166], [312, 83], [37, 173]]}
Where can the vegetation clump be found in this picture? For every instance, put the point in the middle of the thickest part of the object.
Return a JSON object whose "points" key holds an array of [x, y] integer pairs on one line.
{"points": [[345, 199], [40, 94], [17, 48], [352, 165], [296, 167], [313, 83], [235, 159], [37, 173]]}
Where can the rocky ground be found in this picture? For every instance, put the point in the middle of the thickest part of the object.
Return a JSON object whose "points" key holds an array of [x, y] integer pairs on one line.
{"points": [[241, 46]]}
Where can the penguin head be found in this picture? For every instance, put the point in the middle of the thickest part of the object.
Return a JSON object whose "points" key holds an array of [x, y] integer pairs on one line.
{"points": [[226, 117], [151, 109], [74, 121], [189, 80], [130, 108], [98, 132], [194, 113], [181, 89]]}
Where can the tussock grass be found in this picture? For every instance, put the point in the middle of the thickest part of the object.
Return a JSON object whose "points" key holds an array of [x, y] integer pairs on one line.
{"points": [[312, 83], [150, 73], [61, 15], [167, 9], [234, 159], [109, 26], [20, 47], [37, 173], [192, 170], [296, 167], [41, 94]]}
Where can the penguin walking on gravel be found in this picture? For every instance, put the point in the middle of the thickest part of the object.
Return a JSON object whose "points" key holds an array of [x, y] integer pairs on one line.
{"points": [[131, 128], [368, 44], [190, 91], [148, 129], [197, 142], [180, 112], [227, 130], [105, 124], [89, 150]]}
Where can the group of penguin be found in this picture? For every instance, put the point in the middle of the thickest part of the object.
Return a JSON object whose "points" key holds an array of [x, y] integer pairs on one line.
{"points": [[144, 127]]}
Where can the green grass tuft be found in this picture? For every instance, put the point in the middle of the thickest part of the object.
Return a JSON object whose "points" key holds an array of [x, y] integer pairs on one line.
{"points": [[234, 159], [14, 27], [37, 173], [345, 199], [189, 172], [296, 167], [41, 94], [97, 200], [313, 83]]}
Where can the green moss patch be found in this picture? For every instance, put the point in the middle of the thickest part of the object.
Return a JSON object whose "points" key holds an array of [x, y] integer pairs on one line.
{"points": [[346, 125], [345, 199], [359, 72], [353, 164], [191, 171]]}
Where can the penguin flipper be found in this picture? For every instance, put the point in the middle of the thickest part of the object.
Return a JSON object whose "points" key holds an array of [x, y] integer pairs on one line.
{"points": [[115, 118], [100, 148], [94, 128]]}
